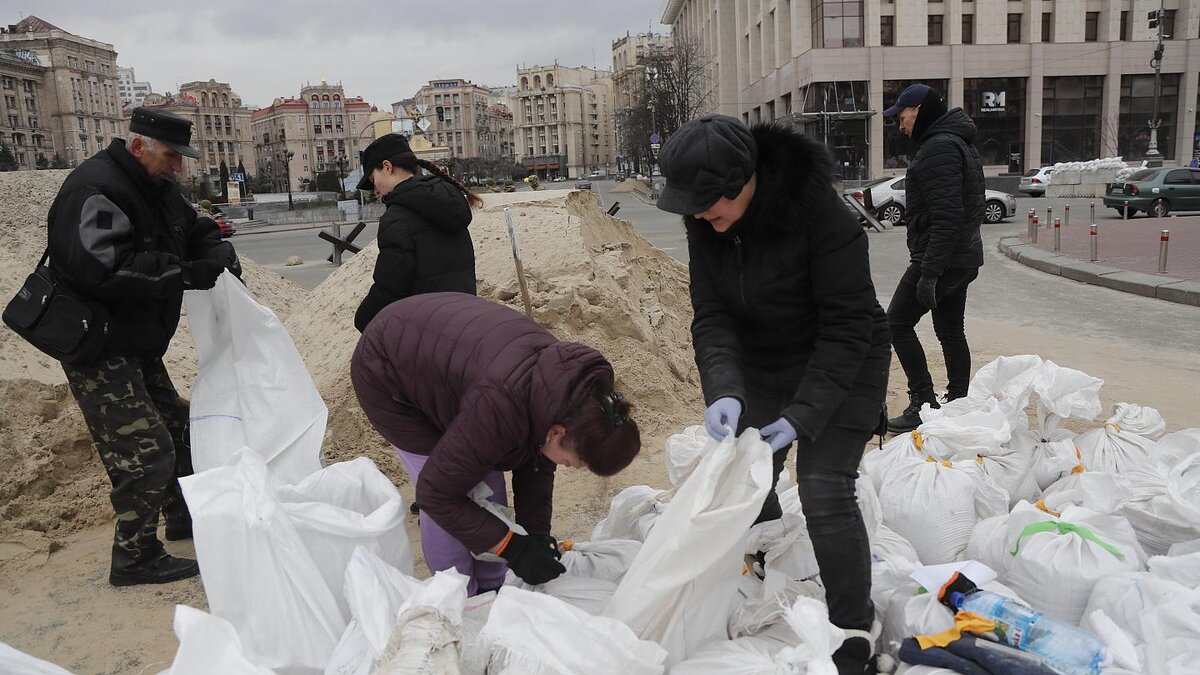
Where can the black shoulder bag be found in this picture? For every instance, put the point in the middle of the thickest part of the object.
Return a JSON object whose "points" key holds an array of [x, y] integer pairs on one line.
{"points": [[62, 325]]}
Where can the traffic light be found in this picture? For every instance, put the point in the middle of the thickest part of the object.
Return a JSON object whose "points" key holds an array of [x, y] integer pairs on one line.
{"points": [[1154, 18]]}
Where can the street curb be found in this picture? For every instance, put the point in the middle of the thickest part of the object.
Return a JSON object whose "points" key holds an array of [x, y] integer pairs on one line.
{"points": [[1169, 289]]}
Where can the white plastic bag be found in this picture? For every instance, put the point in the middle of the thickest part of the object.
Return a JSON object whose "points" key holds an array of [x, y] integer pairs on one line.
{"points": [[253, 388], [683, 583], [208, 644]]}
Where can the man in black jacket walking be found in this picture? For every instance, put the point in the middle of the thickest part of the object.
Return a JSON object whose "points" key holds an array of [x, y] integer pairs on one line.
{"points": [[120, 233], [945, 198]]}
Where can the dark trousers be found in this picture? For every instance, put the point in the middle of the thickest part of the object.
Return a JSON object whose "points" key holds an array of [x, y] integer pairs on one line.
{"points": [[137, 422], [905, 311]]}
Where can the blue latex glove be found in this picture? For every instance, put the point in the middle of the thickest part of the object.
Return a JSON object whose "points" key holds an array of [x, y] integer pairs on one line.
{"points": [[927, 290], [778, 434], [724, 412]]}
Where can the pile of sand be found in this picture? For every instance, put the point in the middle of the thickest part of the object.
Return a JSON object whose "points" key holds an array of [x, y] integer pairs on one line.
{"points": [[592, 279]]}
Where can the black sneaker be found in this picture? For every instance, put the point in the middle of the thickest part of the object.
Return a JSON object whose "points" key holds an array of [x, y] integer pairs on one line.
{"points": [[911, 417], [161, 570], [855, 657]]}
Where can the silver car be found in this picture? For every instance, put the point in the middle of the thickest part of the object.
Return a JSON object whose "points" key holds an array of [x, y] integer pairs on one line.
{"points": [[1034, 181], [888, 198]]}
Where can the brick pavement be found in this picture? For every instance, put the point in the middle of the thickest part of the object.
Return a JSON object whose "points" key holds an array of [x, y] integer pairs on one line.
{"points": [[1130, 244]]}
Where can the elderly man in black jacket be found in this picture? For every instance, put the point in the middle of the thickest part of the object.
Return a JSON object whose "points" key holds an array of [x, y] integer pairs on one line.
{"points": [[944, 211], [120, 233], [788, 334]]}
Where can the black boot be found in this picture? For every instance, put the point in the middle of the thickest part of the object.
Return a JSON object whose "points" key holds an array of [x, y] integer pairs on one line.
{"points": [[178, 528], [855, 657], [911, 417], [160, 570]]}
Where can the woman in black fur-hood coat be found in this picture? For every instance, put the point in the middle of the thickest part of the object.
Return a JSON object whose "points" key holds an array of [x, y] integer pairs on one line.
{"points": [[788, 325]]}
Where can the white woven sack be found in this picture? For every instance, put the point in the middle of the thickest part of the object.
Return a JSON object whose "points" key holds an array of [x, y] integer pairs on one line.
{"points": [[207, 644], [632, 513], [1173, 447], [1182, 568], [1160, 515], [1093, 490], [1117, 446], [607, 560], [1058, 569], [684, 582], [542, 635], [935, 505], [868, 504], [877, 463], [741, 656], [1127, 597], [981, 431], [766, 615], [1173, 635], [1065, 392], [683, 451], [1005, 383]]}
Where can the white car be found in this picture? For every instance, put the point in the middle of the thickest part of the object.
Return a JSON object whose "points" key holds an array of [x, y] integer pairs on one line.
{"points": [[1034, 181], [888, 198]]}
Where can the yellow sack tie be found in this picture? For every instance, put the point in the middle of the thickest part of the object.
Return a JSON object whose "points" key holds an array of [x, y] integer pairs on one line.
{"points": [[1041, 504], [1114, 426], [944, 462], [566, 545], [964, 622], [1079, 468], [917, 440]]}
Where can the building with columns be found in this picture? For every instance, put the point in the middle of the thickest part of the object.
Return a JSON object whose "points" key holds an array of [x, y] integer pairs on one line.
{"points": [[564, 120], [24, 128], [1048, 81], [464, 117]]}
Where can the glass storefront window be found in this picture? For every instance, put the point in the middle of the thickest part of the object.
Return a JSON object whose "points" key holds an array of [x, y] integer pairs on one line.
{"points": [[1071, 118], [837, 24], [844, 129], [1137, 107], [898, 149], [997, 105]]}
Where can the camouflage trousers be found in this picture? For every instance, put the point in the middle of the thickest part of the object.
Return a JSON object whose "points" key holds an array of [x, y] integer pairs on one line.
{"points": [[137, 422]]}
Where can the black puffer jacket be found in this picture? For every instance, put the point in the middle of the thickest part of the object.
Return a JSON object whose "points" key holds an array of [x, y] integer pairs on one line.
{"points": [[118, 236], [424, 245], [945, 201], [786, 317]]}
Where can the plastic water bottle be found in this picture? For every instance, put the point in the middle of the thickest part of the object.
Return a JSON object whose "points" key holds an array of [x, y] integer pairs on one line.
{"points": [[1065, 648]]}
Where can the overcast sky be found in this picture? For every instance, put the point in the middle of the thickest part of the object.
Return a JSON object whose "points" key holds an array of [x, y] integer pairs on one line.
{"points": [[383, 51]]}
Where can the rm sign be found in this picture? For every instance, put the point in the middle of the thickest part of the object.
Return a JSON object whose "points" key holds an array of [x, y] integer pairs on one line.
{"points": [[993, 101]]}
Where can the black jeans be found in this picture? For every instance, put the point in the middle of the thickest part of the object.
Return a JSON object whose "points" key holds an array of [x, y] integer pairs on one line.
{"points": [[903, 315]]}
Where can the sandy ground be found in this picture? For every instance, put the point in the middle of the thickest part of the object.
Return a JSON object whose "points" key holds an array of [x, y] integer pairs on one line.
{"points": [[592, 279]]}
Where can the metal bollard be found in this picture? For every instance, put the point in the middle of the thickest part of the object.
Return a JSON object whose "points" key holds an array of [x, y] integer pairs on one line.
{"points": [[1094, 239], [337, 252], [1093, 219], [1067, 216], [1164, 239], [1033, 239], [1049, 216], [1029, 224], [1126, 209], [1057, 234]]}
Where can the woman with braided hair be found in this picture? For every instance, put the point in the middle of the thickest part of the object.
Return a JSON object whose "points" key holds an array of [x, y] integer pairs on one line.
{"points": [[465, 389], [424, 246]]}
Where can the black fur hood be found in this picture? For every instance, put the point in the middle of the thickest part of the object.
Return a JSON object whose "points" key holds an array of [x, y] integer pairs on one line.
{"points": [[795, 175]]}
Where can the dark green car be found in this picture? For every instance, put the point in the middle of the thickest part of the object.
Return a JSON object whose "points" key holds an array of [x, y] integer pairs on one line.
{"points": [[1156, 192]]}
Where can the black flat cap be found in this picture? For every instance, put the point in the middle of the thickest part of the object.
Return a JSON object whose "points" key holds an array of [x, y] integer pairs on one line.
{"points": [[387, 146], [707, 158], [165, 127]]}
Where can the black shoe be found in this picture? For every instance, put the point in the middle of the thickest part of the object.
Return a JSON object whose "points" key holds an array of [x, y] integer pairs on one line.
{"points": [[911, 417], [161, 570], [178, 530], [855, 657]]}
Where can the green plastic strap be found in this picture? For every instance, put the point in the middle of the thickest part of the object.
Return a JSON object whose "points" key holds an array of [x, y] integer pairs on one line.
{"points": [[1065, 528]]}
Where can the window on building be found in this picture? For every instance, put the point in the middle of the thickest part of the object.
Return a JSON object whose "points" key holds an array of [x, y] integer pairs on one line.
{"points": [[1071, 108], [935, 29], [1125, 26], [1091, 27], [968, 29], [887, 31], [1014, 29], [837, 23], [1137, 106], [1047, 26], [1168, 25]]}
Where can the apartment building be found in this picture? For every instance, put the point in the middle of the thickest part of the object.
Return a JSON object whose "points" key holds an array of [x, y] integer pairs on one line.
{"points": [[1045, 81], [629, 77], [81, 107], [462, 116], [564, 120], [320, 130], [23, 127], [129, 89]]}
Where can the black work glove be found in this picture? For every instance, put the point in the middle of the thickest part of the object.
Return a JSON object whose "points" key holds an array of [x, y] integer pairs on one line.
{"points": [[927, 290], [201, 274], [532, 558]]}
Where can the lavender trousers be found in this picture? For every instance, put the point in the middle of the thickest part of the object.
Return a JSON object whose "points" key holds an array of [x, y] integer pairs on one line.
{"points": [[442, 551]]}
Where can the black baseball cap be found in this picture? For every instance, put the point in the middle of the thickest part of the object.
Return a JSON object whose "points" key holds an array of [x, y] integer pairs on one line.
{"points": [[705, 159], [912, 96], [167, 128], [387, 146]]}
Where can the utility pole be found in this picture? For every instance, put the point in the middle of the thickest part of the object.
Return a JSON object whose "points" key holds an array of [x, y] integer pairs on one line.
{"points": [[1153, 157]]}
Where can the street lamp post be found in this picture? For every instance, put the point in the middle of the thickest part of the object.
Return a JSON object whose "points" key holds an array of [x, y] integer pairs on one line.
{"points": [[1153, 156], [341, 165], [286, 158]]}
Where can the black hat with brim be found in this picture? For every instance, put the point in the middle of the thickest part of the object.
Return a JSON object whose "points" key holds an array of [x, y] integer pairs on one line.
{"points": [[386, 147], [169, 129], [705, 159]]}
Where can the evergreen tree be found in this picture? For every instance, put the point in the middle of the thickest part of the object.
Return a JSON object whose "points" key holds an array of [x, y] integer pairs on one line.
{"points": [[8, 162], [42, 162], [224, 182], [59, 163]]}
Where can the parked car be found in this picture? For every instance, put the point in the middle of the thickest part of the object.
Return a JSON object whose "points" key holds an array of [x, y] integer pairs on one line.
{"points": [[1034, 181], [226, 229], [1156, 191], [888, 199], [583, 185]]}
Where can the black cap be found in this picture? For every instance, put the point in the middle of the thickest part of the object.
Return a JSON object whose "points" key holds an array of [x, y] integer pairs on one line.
{"points": [[387, 146], [912, 96], [165, 127], [707, 158]]}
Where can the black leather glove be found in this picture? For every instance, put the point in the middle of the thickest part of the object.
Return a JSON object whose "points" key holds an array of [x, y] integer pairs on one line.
{"points": [[201, 274], [532, 558], [927, 290]]}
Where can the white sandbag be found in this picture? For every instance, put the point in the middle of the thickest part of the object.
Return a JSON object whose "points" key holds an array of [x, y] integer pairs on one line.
{"points": [[981, 431], [16, 662], [1173, 636], [1139, 420], [1065, 392], [608, 560], [1124, 652], [1008, 381], [544, 635], [935, 505], [1172, 448], [740, 656], [785, 542], [477, 652], [1182, 568], [1125, 598], [632, 513], [207, 644], [1115, 448], [893, 559], [590, 595], [816, 640], [1093, 490], [868, 504], [684, 582], [1164, 504], [684, 450], [427, 632], [765, 615], [877, 464], [1056, 562], [252, 388]]}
